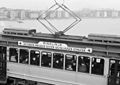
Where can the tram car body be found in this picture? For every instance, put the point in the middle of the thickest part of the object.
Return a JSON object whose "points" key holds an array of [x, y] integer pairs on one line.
{"points": [[48, 59]]}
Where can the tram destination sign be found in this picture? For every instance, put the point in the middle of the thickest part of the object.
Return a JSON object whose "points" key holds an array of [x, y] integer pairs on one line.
{"points": [[57, 46]]}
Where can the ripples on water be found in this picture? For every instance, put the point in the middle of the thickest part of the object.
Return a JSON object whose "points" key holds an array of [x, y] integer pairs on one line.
{"points": [[85, 27]]}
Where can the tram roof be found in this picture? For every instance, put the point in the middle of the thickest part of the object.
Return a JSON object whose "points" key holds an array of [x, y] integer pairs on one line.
{"points": [[104, 38]]}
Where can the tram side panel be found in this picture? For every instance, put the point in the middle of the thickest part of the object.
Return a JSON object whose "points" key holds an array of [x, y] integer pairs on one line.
{"points": [[62, 74], [55, 76], [93, 79]]}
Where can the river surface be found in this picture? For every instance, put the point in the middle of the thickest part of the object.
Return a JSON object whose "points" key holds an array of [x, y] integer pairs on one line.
{"points": [[85, 27]]}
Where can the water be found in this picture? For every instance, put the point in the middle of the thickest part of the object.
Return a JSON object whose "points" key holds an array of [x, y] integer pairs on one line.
{"points": [[85, 27]]}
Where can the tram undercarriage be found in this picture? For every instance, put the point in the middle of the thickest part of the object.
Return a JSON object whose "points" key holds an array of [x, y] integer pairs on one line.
{"points": [[18, 81]]}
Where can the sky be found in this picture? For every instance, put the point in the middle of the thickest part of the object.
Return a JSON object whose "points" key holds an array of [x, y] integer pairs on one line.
{"points": [[72, 4], [102, 26]]}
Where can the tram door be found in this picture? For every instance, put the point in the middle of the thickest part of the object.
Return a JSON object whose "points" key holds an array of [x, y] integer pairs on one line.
{"points": [[2, 65], [114, 72]]}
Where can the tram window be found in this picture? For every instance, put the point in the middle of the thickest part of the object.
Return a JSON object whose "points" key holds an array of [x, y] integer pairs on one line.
{"points": [[115, 67], [13, 54], [70, 62], [118, 70], [46, 59], [112, 67], [2, 53], [83, 64], [97, 66], [58, 59], [24, 56], [34, 57]]}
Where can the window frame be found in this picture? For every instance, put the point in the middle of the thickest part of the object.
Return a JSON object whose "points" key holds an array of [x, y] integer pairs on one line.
{"points": [[48, 51], [53, 59], [17, 54], [39, 56], [89, 70], [76, 62], [103, 66], [28, 55]]}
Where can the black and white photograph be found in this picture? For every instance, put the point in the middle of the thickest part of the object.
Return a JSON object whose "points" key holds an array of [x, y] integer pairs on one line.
{"points": [[59, 42]]}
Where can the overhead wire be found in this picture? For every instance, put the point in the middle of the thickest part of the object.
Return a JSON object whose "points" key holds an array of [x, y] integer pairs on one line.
{"points": [[66, 9]]}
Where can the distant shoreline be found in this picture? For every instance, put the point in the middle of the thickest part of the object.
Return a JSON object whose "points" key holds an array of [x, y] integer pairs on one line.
{"points": [[21, 14]]}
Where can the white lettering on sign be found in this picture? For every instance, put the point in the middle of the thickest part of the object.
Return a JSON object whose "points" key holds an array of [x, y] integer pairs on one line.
{"points": [[53, 44], [57, 46]]}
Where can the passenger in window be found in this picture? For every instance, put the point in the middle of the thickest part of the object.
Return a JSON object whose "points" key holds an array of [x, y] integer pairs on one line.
{"points": [[82, 68], [58, 60], [24, 60], [34, 57], [34, 61], [46, 59], [24, 56], [13, 55], [2, 53], [112, 68], [98, 66], [70, 62], [83, 64], [69, 67], [13, 58], [118, 74]]}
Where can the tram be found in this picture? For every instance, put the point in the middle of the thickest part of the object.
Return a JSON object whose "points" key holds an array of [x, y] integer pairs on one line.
{"points": [[30, 58]]}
